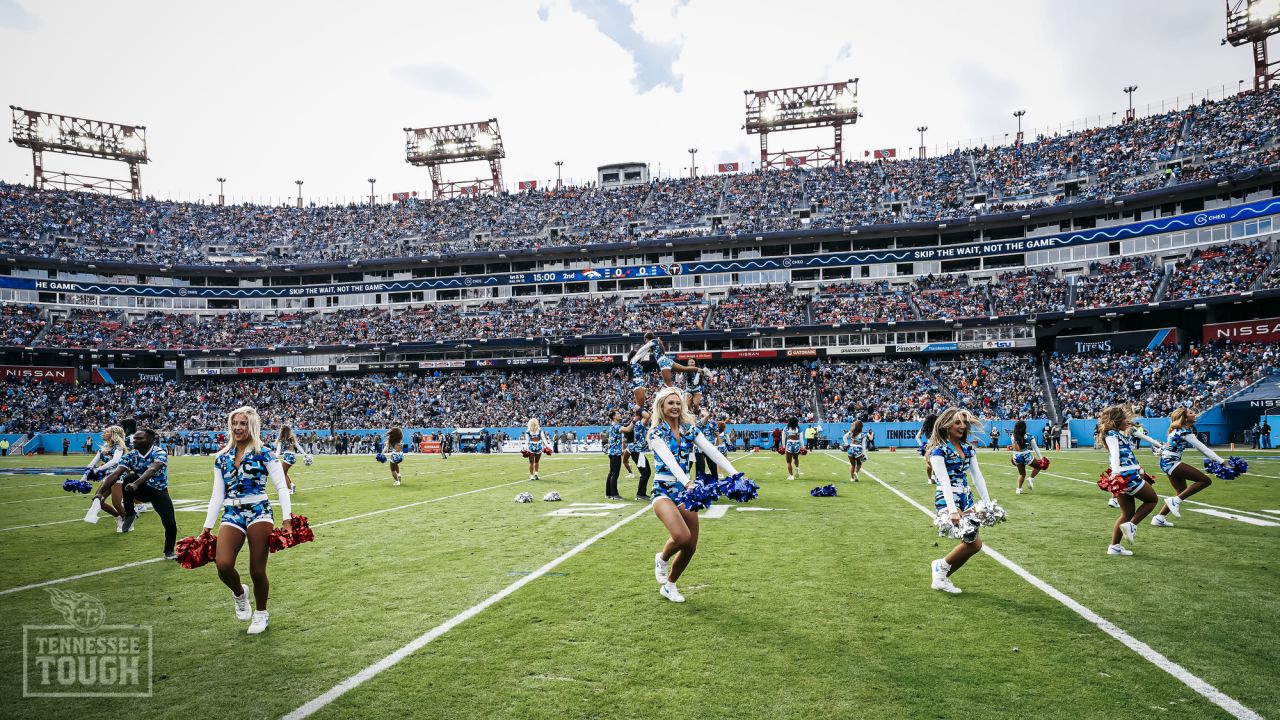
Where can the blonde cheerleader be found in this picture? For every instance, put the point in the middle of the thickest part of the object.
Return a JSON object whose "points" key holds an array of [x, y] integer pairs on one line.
{"points": [[954, 461], [103, 463], [1127, 483], [535, 443]]}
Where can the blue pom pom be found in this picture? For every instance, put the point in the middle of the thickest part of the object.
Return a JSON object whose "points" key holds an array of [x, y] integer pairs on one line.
{"points": [[920, 450], [739, 488], [93, 475], [80, 486], [380, 457], [1229, 470], [1238, 464], [700, 496], [824, 491]]}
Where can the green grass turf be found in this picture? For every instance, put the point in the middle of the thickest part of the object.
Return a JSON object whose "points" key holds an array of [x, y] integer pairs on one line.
{"points": [[818, 609]]}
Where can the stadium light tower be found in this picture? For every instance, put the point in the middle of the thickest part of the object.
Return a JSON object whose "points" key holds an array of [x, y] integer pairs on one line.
{"points": [[920, 129], [559, 184], [43, 132], [467, 142], [299, 184], [693, 163], [1018, 114], [222, 197], [1129, 90], [811, 106], [1252, 22], [371, 182]]}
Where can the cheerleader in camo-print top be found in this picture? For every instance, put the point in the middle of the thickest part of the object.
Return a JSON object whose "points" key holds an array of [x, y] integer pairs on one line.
{"points": [[395, 452], [1186, 479], [1024, 451], [673, 435], [287, 443], [243, 511], [954, 462], [1114, 426]]}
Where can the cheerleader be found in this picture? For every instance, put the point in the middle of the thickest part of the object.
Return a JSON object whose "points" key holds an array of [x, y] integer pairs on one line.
{"points": [[922, 439], [288, 448], [652, 348], [853, 445], [1024, 448], [1113, 427], [241, 507], [395, 453], [107, 459], [1135, 434], [1182, 433], [628, 441], [792, 442], [672, 438], [954, 460], [695, 384], [637, 448], [613, 448], [535, 442]]}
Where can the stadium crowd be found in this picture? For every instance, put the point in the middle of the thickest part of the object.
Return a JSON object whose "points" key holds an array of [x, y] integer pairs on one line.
{"points": [[1206, 140]]}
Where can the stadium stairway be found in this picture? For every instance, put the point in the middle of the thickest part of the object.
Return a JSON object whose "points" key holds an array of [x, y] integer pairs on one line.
{"points": [[1262, 276], [1047, 389], [943, 387], [1163, 287], [48, 322], [1071, 291]]}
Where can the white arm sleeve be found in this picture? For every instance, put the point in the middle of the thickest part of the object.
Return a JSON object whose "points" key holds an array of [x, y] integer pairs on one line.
{"points": [[1113, 449], [97, 456], [1143, 436], [662, 452], [715, 455], [114, 461], [1035, 449], [524, 441], [847, 439], [1194, 442], [919, 438], [276, 471], [215, 500], [978, 481], [944, 481]]}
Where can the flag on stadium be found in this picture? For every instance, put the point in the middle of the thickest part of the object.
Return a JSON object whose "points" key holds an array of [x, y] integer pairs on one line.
{"points": [[885, 154], [728, 167], [403, 196], [528, 184], [796, 160]]}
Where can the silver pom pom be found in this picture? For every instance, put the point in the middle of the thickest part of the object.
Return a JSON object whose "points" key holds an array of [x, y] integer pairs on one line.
{"points": [[524, 497], [552, 496], [968, 527], [307, 459], [989, 513]]}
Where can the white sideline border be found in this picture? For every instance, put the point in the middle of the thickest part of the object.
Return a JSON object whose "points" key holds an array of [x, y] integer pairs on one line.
{"points": [[311, 707], [1148, 653], [81, 576]]}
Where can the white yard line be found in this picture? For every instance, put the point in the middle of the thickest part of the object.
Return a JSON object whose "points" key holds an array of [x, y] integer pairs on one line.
{"points": [[421, 641], [1209, 692]]}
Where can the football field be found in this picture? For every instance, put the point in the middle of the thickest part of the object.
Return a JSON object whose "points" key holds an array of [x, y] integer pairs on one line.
{"points": [[444, 598]]}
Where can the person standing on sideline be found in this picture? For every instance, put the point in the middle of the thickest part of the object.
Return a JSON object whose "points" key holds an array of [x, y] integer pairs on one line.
{"points": [[1254, 433], [4, 447], [66, 445], [1266, 434]]}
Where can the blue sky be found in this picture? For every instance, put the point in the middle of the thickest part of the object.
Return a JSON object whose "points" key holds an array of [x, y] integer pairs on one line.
{"points": [[267, 93]]}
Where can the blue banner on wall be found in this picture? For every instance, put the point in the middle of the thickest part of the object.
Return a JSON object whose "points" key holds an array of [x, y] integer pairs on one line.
{"points": [[973, 250]]}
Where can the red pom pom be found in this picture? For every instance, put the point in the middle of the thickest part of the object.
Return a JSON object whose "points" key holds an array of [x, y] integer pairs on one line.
{"points": [[302, 531], [780, 450], [524, 453], [804, 451], [1149, 478], [546, 451], [278, 540], [193, 552], [1113, 483]]}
